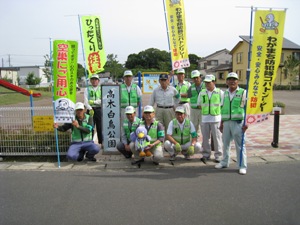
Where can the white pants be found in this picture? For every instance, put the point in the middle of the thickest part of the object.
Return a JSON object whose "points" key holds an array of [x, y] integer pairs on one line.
{"points": [[157, 152], [170, 147]]}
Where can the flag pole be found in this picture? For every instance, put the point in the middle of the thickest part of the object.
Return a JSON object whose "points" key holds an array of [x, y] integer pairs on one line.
{"points": [[53, 103], [247, 84]]}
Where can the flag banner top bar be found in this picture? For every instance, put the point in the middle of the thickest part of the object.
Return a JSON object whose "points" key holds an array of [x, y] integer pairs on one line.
{"points": [[64, 65], [265, 59], [95, 57], [177, 34]]}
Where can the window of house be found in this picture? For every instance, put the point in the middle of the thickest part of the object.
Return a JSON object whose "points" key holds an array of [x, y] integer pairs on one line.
{"points": [[282, 59], [221, 76], [212, 63], [296, 55], [239, 73], [239, 57]]}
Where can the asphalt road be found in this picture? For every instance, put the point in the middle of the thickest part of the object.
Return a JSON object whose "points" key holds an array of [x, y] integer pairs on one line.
{"points": [[268, 194]]}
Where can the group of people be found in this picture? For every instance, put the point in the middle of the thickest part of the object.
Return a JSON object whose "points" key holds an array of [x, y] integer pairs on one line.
{"points": [[176, 113]]}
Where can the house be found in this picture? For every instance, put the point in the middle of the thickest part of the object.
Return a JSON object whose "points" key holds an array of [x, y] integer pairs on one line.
{"points": [[36, 70], [240, 59], [218, 64], [10, 74]]}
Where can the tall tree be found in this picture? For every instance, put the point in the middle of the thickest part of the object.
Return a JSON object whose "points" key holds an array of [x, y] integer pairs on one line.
{"points": [[113, 66], [47, 69], [291, 66]]}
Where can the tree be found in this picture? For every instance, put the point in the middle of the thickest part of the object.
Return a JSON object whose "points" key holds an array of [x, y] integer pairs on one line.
{"points": [[32, 80], [291, 66], [47, 69], [113, 66]]}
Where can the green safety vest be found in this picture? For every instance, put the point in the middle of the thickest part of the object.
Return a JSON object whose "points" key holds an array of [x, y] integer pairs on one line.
{"points": [[130, 98], [94, 95], [183, 89], [134, 125], [152, 132], [211, 106], [194, 98], [232, 110], [183, 136], [78, 136]]}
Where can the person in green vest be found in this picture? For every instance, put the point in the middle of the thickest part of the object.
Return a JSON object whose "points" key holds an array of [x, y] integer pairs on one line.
{"points": [[181, 136], [193, 93], [82, 143], [232, 125], [129, 125], [131, 93], [156, 131], [92, 101], [210, 100], [182, 88]]}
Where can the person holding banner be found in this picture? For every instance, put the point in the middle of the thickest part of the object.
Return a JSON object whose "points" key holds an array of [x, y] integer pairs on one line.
{"points": [[232, 125], [129, 125], [193, 93], [165, 97], [182, 87], [181, 136], [210, 100], [131, 93], [92, 101], [82, 143]]}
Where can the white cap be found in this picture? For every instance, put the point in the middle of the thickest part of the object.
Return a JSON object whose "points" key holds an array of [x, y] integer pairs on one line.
{"points": [[79, 105], [129, 110], [95, 76], [195, 73], [232, 75], [181, 70], [180, 109], [209, 78], [127, 73], [148, 108]]}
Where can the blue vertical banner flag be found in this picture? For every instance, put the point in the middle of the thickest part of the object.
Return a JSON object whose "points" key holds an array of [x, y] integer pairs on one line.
{"points": [[177, 34]]}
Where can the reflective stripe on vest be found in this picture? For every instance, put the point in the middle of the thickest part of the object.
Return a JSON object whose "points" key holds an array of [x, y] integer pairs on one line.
{"points": [[129, 98], [211, 106], [184, 136], [152, 132], [78, 136], [94, 95]]}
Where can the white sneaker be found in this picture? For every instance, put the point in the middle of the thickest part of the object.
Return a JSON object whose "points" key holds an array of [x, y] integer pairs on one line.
{"points": [[219, 166], [242, 171]]}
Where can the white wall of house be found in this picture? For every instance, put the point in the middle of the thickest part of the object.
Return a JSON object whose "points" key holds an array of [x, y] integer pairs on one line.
{"points": [[10, 74], [36, 70]]}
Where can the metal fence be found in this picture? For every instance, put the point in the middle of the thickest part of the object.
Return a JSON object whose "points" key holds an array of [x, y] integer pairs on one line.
{"points": [[28, 131]]}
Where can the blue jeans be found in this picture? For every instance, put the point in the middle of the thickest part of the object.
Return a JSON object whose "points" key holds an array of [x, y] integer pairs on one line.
{"points": [[87, 146]]}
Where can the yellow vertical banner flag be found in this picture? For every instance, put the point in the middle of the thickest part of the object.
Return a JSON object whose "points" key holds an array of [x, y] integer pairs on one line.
{"points": [[177, 34], [95, 57], [265, 59]]}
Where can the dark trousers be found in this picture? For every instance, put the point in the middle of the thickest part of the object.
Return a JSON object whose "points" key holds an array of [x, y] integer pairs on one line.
{"points": [[98, 123]]}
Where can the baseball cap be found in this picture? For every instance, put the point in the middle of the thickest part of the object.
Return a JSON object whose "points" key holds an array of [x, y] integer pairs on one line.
{"points": [[163, 76], [181, 70], [148, 108], [129, 110], [79, 105], [127, 73], [95, 76], [209, 78], [180, 109], [232, 75], [195, 73]]}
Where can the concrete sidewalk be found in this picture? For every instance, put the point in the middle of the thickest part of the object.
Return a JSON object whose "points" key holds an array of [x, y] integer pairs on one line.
{"points": [[258, 144]]}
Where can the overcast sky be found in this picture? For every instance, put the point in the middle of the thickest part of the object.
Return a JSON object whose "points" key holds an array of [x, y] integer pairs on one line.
{"points": [[128, 26]]}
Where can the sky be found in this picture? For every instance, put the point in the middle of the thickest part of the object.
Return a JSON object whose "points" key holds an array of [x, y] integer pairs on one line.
{"points": [[129, 26]]}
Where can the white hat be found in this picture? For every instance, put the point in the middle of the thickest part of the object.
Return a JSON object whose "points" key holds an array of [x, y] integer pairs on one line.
{"points": [[232, 75], [209, 78], [195, 73], [181, 70], [127, 73], [79, 105], [95, 76], [148, 108], [129, 110], [180, 109]]}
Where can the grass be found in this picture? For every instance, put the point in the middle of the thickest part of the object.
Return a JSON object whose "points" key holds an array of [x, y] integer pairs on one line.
{"points": [[9, 97]]}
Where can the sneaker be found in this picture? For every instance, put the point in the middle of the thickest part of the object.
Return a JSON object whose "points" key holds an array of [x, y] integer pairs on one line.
{"points": [[217, 160], [80, 156], [173, 158], [243, 171], [93, 159], [155, 163], [219, 166], [204, 160]]}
